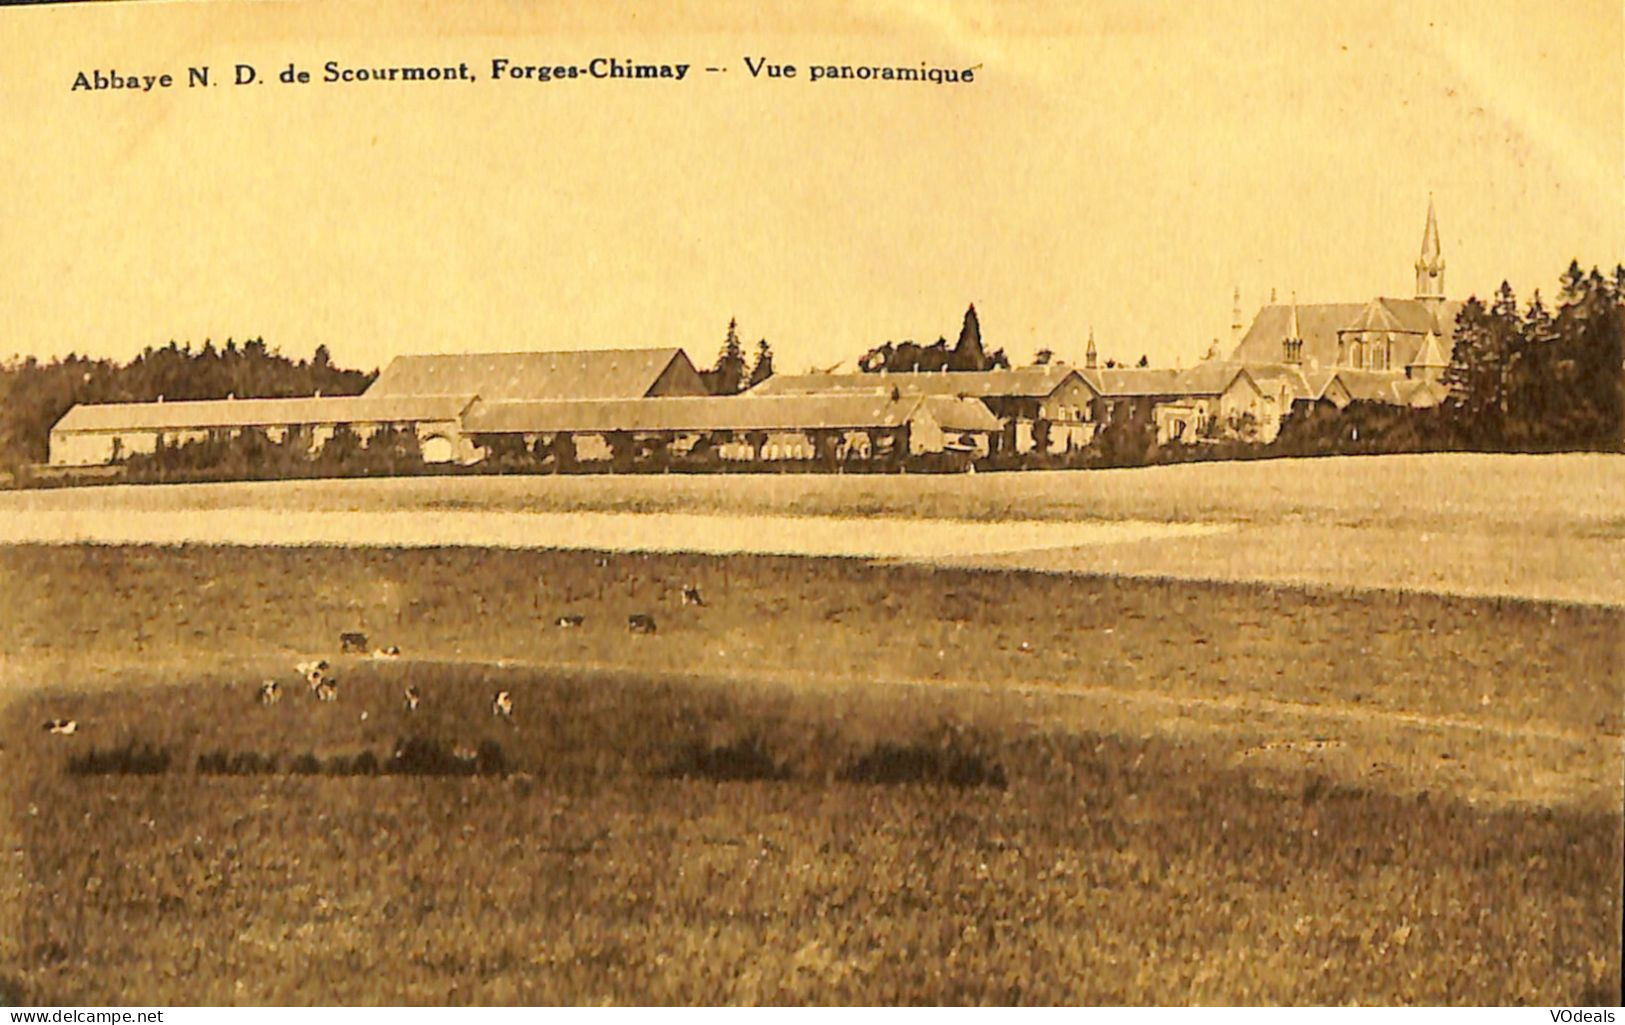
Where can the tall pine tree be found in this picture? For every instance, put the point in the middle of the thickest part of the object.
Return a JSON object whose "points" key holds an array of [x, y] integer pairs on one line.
{"points": [[762, 369], [728, 376], [968, 353]]}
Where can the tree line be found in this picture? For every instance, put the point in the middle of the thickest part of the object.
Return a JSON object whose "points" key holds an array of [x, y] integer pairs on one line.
{"points": [[1536, 379], [910, 357]]}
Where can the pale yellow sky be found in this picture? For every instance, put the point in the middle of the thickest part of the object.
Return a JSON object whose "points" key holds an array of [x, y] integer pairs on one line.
{"points": [[1114, 165]]}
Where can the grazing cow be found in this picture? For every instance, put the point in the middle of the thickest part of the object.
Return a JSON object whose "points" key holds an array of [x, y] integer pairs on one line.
{"points": [[327, 690], [570, 622], [270, 692], [691, 595], [411, 699], [353, 642], [317, 666], [62, 727], [502, 705], [640, 623], [392, 651]]}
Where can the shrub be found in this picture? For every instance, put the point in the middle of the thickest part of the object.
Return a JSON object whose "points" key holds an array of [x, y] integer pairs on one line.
{"points": [[887, 763], [128, 760], [420, 756], [742, 760]]}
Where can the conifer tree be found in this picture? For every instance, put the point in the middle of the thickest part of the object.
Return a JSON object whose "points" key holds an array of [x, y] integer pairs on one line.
{"points": [[968, 353], [728, 376], [762, 369]]}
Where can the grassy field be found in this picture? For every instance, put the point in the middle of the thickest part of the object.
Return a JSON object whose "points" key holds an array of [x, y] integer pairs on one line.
{"points": [[1541, 527], [835, 782], [1562, 495]]}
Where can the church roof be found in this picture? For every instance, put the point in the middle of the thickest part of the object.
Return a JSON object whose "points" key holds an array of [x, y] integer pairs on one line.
{"points": [[1320, 324], [497, 376], [1432, 354], [1377, 316]]}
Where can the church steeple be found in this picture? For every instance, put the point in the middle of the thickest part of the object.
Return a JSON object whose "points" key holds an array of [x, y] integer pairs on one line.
{"points": [[1091, 357], [1430, 265]]}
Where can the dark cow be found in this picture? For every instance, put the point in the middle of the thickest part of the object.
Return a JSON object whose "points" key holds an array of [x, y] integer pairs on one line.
{"points": [[640, 623], [691, 595], [353, 642]]}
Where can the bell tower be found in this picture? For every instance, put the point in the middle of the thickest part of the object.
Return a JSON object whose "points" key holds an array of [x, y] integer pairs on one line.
{"points": [[1430, 264]]}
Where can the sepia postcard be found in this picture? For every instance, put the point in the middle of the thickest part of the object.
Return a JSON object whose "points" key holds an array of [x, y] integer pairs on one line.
{"points": [[864, 504]]}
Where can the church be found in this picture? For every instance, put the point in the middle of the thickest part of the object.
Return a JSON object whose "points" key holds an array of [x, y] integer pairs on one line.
{"points": [[1382, 350]]}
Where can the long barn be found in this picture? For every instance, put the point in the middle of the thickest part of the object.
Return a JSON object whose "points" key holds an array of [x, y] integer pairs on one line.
{"points": [[790, 427]]}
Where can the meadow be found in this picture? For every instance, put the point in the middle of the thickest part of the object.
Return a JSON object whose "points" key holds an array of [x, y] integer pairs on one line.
{"points": [[1556, 495], [1541, 527], [834, 782]]}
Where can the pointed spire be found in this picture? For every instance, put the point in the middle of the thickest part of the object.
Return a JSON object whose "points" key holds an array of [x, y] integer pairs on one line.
{"points": [[1235, 318], [1430, 264], [1430, 235], [1091, 356], [1292, 345]]}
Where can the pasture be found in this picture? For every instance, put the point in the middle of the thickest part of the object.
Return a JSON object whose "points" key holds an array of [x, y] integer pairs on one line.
{"points": [[1544, 527], [831, 782], [1558, 494]]}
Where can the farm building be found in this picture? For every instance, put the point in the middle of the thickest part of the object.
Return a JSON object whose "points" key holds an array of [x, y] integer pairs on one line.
{"points": [[89, 435], [1056, 395], [538, 376], [739, 428], [1207, 400]]}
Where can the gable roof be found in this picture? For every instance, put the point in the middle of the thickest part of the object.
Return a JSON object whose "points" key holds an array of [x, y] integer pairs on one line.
{"points": [[1432, 354], [726, 413], [1212, 377], [1131, 381], [198, 415], [1375, 385], [500, 376], [1027, 382]]}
